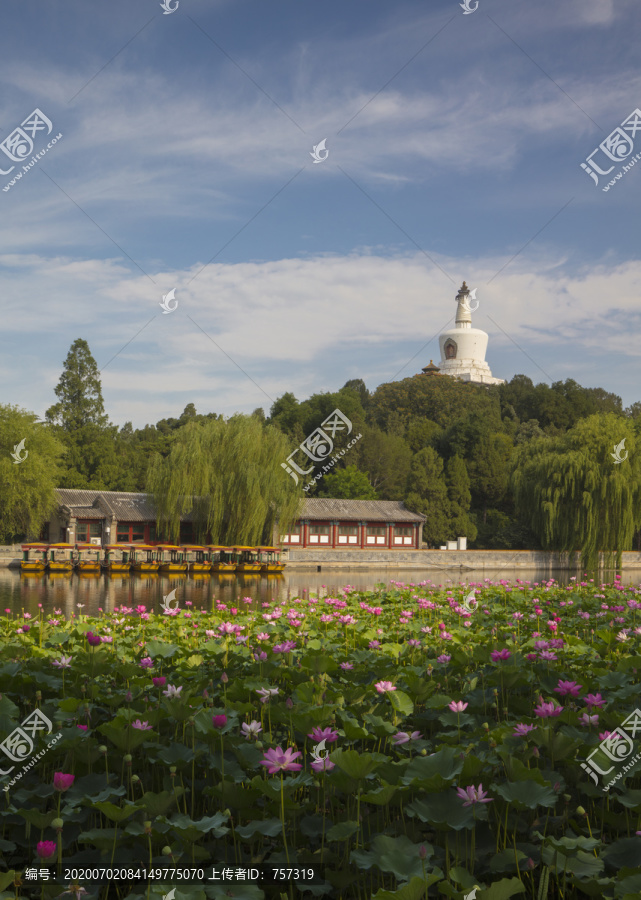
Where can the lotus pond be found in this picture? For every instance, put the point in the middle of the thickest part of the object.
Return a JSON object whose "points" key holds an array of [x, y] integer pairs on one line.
{"points": [[398, 742]]}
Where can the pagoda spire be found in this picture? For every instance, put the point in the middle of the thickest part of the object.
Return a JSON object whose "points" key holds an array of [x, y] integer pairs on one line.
{"points": [[463, 311]]}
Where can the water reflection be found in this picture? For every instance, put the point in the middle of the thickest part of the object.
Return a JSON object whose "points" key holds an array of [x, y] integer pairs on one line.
{"points": [[97, 591]]}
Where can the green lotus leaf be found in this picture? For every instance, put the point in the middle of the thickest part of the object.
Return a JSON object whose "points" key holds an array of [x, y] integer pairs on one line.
{"points": [[341, 831], [527, 794]]}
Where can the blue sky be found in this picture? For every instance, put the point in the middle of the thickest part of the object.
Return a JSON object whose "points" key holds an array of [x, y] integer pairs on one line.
{"points": [[455, 143]]}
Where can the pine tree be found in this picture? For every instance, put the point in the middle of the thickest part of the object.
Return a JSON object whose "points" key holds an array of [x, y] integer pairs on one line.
{"points": [[79, 392], [427, 494]]}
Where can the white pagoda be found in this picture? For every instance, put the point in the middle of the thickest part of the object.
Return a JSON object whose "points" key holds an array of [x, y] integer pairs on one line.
{"points": [[463, 348]]}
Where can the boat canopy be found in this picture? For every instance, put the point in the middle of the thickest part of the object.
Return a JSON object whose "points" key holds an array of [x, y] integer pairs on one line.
{"points": [[136, 546], [244, 548], [34, 546], [270, 549], [61, 546], [124, 547], [88, 547], [166, 547]]}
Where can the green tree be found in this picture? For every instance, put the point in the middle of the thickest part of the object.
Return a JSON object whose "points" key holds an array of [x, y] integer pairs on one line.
{"points": [[79, 392], [574, 495], [427, 493], [229, 474], [27, 488], [347, 484], [460, 497], [385, 458]]}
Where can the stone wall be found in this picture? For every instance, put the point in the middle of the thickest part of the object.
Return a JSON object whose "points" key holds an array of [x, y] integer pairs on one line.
{"points": [[411, 559]]}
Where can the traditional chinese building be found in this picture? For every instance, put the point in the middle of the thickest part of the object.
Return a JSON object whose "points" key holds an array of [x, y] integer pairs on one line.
{"points": [[115, 517], [463, 348]]}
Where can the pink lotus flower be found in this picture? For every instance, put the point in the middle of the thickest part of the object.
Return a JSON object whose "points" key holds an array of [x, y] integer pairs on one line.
{"points": [[219, 721], [323, 734], [473, 795], [285, 647], [458, 706], [497, 655], [62, 782], [522, 729], [547, 710], [263, 635], [279, 760], [443, 658], [46, 849], [346, 666], [141, 726], [63, 663], [160, 681], [594, 700], [266, 694], [322, 765], [82, 727], [374, 645], [93, 639], [403, 737], [383, 687], [147, 662], [585, 719], [251, 729], [172, 691], [568, 687]]}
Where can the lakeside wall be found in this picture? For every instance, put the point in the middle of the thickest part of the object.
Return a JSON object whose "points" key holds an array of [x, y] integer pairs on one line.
{"points": [[423, 560]]}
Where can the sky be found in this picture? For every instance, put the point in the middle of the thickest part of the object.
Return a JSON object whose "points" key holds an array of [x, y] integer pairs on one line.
{"points": [[173, 151]]}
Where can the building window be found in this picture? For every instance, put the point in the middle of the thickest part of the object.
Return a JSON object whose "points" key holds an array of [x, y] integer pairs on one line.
{"points": [[403, 536], [87, 530], [293, 536], [130, 533], [450, 350], [348, 534], [376, 534], [319, 534]]}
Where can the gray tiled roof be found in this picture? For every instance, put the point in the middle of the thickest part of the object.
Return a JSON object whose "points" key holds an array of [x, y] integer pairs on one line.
{"points": [[370, 510], [97, 504]]}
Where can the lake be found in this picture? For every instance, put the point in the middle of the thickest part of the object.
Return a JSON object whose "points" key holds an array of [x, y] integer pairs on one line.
{"points": [[94, 592]]}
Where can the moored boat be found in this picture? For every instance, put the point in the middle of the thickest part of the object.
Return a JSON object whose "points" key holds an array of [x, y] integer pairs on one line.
{"points": [[270, 559], [248, 559], [34, 557], [197, 558], [60, 557], [171, 558], [87, 559], [143, 558], [222, 559], [117, 558]]}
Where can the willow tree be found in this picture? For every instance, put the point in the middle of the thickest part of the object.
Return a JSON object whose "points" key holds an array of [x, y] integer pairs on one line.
{"points": [[228, 474], [575, 495]]}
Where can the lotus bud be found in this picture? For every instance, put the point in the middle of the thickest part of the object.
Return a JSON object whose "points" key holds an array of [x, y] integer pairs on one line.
{"points": [[535, 752], [422, 851], [531, 864], [102, 749], [128, 696], [580, 811], [57, 824], [172, 770], [289, 703], [486, 726], [166, 851], [567, 797], [127, 758], [224, 678], [423, 752], [147, 826], [227, 812], [135, 779], [38, 695]]}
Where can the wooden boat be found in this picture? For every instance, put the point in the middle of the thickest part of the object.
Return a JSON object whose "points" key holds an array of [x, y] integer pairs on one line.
{"points": [[270, 559], [60, 557], [87, 561], [117, 558], [196, 558], [34, 557], [171, 558], [143, 558], [222, 559], [248, 559]]}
